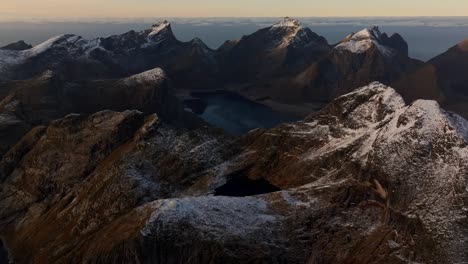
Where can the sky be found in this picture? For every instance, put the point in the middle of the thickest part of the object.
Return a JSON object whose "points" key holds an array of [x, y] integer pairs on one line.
{"points": [[69, 9]]}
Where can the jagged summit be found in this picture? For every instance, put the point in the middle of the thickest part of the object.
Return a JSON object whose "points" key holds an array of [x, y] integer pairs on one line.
{"points": [[372, 32], [289, 32], [287, 22], [363, 40], [369, 37], [160, 27]]}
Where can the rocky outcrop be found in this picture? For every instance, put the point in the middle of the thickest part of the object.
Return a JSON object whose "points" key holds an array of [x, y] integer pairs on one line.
{"points": [[369, 179]]}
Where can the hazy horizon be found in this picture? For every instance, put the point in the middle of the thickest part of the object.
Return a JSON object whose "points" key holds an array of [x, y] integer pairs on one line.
{"points": [[215, 8]]}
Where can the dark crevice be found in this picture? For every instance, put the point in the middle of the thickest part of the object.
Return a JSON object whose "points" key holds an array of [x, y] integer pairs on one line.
{"points": [[241, 186]]}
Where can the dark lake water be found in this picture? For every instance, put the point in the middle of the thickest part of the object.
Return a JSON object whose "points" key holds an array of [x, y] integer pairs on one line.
{"points": [[234, 113]]}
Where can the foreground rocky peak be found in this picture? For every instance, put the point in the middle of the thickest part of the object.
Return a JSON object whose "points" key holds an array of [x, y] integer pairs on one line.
{"points": [[369, 179]]}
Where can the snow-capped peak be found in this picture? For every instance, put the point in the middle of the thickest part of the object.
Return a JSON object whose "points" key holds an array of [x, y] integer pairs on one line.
{"points": [[159, 32], [368, 33], [159, 27], [287, 22], [291, 32], [62, 40], [363, 40]]}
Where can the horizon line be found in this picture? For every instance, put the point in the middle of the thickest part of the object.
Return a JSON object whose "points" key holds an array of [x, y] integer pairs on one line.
{"points": [[77, 19]]}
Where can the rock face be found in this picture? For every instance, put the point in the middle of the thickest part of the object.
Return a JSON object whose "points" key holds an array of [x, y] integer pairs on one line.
{"points": [[368, 179]]}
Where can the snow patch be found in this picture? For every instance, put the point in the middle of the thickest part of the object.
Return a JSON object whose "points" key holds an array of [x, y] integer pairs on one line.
{"points": [[158, 28], [154, 75], [216, 217]]}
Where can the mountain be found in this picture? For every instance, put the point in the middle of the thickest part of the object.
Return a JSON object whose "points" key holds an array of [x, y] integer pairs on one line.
{"points": [[368, 179], [445, 76], [282, 48]]}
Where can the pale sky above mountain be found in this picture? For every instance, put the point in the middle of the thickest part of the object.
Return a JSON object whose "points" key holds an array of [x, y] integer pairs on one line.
{"points": [[15, 9]]}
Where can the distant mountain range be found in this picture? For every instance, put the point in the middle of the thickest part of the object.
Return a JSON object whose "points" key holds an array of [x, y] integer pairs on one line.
{"points": [[100, 162], [285, 63]]}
